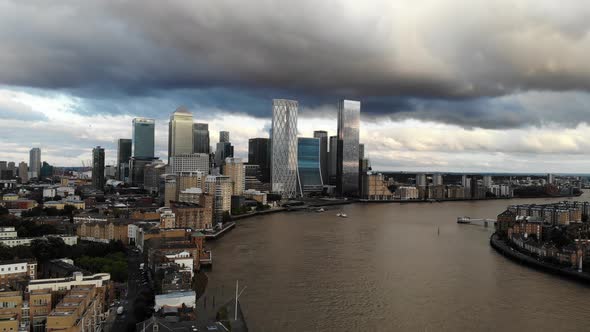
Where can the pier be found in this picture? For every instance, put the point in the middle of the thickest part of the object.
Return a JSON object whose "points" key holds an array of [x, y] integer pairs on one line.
{"points": [[220, 232], [476, 221]]}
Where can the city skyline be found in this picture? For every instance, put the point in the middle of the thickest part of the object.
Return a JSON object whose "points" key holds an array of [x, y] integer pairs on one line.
{"points": [[425, 105]]}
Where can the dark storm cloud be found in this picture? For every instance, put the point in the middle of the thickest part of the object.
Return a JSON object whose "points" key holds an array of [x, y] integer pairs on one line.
{"points": [[453, 61]]}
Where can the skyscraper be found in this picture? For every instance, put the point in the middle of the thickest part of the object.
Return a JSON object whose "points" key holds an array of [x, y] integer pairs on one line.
{"points": [[259, 154], [323, 136], [35, 162], [223, 150], [98, 168], [349, 117], [309, 176], [180, 132], [23, 172], [143, 137], [124, 147], [333, 160], [201, 143], [284, 147], [224, 137]]}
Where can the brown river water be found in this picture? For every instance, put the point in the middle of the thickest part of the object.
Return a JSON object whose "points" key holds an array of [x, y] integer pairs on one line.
{"points": [[387, 268]]}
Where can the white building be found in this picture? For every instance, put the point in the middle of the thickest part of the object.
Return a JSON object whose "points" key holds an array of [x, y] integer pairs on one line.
{"points": [[62, 284], [8, 233], [190, 162], [406, 193], [69, 240], [132, 233], [437, 179], [18, 267]]}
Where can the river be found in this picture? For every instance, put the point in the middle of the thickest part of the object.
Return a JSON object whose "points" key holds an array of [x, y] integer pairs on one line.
{"points": [[387, 268]]}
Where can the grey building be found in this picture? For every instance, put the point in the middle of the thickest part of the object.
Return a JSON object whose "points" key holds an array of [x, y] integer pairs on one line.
{"points": [[347, 172], [309, 176], [143, 137], [23, 172], [332, 160], [223, 150], [284, 147], [98, 168], [124, 148], [259, 154], [201, 142], [35, 162], [323, 136], [224, 137]]}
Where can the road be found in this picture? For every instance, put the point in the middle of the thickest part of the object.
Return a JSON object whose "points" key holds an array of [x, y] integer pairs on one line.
{"points": [[126, 321]]}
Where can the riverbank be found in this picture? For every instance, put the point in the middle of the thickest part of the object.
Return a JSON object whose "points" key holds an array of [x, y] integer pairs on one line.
{"points": [[460, 199], [501, 247]]}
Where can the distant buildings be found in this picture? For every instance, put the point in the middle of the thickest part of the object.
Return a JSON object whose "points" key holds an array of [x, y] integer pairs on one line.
{"points": [[349, 113], [234, 169], [224, 149], [98, 180], [323, 137], [143, 137], [189, 162], [284, 147], [180, 133], [309, 176], [124, 149], [23, 172], [201, 143], [35, 163]]}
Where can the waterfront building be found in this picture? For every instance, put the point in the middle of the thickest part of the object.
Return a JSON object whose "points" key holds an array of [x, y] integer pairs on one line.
{"points": [[35, 163], [252, 178], [420, 180], [180, 133], [323, 137], [143, 138], [309, 176], [124, 148], [234, 168], [407, 193], [349, 113], [256, 195], [98, 168], [284, 147], [375, 187], [259, 154], [189, 162], [437, 179], [333, 160], [201, 142], [221, 188], [487, 181], [23, 172], [194, 216], [361, 151]]}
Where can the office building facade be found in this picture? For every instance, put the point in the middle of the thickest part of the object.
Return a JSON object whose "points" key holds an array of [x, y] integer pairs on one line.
{"points": [[98, 168], [259, 154], [124, 149], [201, 143], [309, 176], [23, 171], [284, 147], [332, 160], [143, 137], [349, 112], [234, 168], [190, 162], [224, 137], [35, 162], [180, 133], [323, 137]]}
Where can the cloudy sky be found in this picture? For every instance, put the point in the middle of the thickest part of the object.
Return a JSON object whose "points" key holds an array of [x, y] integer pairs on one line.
{"points": [[447, 85]]}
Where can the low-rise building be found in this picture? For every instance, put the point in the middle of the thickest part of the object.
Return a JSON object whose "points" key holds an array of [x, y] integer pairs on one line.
{"points": [[69, 240], [16, 272], [77, 279], [81, 309]]}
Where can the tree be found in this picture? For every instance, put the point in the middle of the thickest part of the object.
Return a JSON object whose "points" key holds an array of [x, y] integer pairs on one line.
{"points": [[226, 217]]}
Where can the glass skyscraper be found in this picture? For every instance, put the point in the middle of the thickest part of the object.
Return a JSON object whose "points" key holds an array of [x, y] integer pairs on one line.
{"points": [[124, 147], [259, 154], [284, 147], [309, 173], [143, 137], [347, 172], [201, 143], [35, 162], [180, 133], [323, 137], [98, 168]]}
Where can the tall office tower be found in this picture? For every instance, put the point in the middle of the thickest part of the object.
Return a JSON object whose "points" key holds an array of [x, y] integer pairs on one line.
{"points": [[11, 167], [223, 150], [437, 179], [224, 137], [323, 136], [46, 170], [259, 154], [143, 137], [284, 147], [309, 174], [23, 172], [35, 162], [124, 147], [550, 178], [332, 160], [201, 142], [190, 162], [3, 165], [151, 175], [361, 151], [98, 168], [180, 133], [421, 180], [221, 189], [349, 118], [234, 168]]}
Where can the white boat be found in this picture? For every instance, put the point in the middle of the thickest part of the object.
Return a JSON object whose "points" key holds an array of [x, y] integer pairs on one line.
{"points": [[341, 215], [320, 210]]}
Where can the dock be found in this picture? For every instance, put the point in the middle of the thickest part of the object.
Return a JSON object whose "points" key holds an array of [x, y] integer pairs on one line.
{"points": [[476, 221], [227, 227]]}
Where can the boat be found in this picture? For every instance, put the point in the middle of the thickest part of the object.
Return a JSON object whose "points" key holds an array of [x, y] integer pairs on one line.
{"points": [[341, 215], [463, 220], [320, 210]]}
